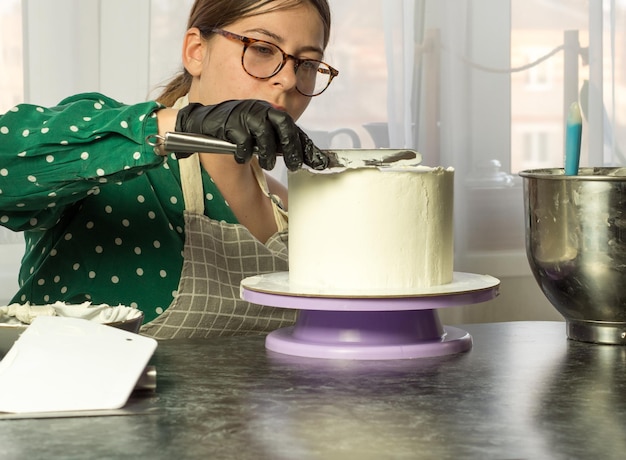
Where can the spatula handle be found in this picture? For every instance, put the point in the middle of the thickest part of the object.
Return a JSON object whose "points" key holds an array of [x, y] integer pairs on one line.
{"points": [[177, 142]]}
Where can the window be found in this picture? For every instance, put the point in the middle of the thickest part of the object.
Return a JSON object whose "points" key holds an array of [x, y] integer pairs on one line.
{"points": [[481, 95], [11, 62], [168, 20], [11, 76], [539, 76], [536, 149]]}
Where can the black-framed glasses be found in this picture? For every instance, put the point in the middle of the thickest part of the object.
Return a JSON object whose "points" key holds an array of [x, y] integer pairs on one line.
{"points": [[263, 60]]}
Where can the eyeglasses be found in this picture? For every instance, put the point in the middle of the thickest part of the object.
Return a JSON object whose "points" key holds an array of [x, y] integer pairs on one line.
{"points": [[263, 60]]}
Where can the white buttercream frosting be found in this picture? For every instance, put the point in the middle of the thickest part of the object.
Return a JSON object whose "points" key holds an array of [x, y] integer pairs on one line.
{"points": [[371, 229], [26, 313]]}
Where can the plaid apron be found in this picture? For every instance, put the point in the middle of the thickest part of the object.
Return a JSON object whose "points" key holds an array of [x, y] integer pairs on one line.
{"points": [[217, 256]]}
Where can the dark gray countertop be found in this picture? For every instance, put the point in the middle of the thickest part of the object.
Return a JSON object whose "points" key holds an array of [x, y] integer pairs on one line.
{"points": [[523, 391]]}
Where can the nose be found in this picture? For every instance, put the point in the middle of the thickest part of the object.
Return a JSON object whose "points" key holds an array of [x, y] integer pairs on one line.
{"points": [[287, 75]]}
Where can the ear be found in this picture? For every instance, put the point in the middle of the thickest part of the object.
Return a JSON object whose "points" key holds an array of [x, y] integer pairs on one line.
{"points": [[194, 49]]}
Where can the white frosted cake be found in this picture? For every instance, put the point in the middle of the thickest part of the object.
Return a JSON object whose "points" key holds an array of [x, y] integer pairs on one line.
{"points": [[370, 229]]}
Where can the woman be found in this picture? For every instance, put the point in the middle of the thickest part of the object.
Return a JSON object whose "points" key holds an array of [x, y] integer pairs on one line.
{"points": [[108, 221]]}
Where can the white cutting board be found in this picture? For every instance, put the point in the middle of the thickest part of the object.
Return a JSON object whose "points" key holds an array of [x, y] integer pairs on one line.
{"points": [[69, 364]]}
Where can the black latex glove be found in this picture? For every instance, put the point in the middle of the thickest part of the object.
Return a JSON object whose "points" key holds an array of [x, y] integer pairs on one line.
{"points": [[255, 127]]}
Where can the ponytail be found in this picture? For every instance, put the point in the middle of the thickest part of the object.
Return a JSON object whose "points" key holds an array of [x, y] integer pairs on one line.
{"points": [[175, 89]]}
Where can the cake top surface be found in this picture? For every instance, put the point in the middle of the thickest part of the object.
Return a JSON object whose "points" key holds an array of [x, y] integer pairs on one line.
{"points": [[399, 166], [372, 158]]}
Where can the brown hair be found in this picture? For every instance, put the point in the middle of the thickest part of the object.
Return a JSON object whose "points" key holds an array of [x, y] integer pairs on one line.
{"points": [[206, 14]]}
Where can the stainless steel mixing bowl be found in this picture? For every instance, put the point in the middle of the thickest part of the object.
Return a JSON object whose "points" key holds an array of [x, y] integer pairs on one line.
{"points": [[576, 247]]}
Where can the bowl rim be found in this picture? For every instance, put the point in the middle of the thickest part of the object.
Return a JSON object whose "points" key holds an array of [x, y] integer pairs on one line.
{"points": [[585, 173]]}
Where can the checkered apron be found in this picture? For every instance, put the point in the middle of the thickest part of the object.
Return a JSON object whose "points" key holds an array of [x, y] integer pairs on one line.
{"points": [[217, 256]]}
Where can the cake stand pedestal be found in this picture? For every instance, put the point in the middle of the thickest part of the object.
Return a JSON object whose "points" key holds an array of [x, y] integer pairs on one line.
{"points": [[340, 325]]}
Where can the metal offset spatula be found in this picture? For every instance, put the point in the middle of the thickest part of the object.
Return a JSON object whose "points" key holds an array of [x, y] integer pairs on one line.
{"points": [[178, 142]]}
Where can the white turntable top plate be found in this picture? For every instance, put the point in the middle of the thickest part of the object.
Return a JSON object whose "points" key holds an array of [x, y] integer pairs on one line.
{"points": [[278, 283]]}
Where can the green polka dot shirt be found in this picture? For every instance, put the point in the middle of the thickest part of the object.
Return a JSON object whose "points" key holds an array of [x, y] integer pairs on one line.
{"points": [[101, 213]]}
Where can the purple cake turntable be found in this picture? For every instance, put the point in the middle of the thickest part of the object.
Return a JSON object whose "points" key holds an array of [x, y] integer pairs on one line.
{"points": [[368, 325]]}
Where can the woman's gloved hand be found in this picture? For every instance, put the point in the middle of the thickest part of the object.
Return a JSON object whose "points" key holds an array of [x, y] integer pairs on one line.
{"points": [[255, 127]]}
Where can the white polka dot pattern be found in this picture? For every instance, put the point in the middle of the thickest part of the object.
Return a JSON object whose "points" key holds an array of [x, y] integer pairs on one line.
{"points": [[102, 214]]}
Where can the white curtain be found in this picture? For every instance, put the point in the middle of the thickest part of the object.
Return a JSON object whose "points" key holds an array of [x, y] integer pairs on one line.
{"points": [[456, 87], [403, 37], [479, 85], [492, 82], [443, 103]]}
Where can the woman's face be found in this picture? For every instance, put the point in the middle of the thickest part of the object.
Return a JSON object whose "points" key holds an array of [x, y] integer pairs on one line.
{"points": [[216, 64]]}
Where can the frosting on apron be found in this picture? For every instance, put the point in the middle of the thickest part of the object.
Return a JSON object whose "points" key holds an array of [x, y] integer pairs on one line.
{"points": [[217, 256]]}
